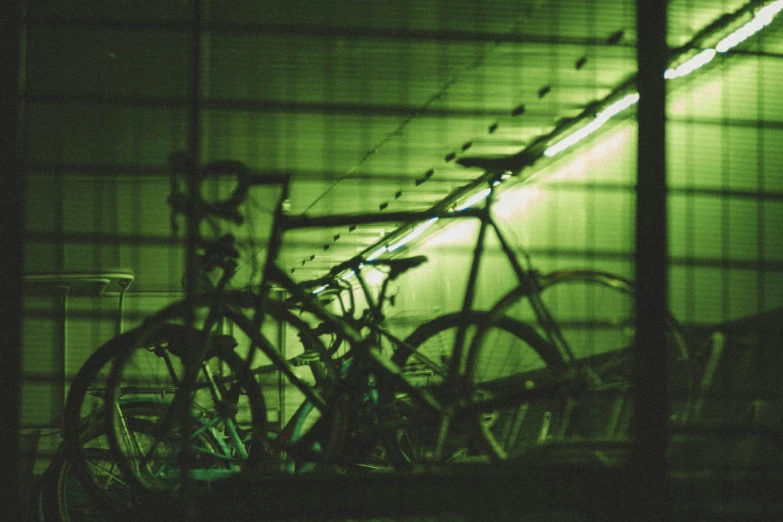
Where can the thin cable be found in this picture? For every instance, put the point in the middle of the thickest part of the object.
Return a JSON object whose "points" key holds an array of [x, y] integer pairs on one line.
{"points": [[416, 113]]}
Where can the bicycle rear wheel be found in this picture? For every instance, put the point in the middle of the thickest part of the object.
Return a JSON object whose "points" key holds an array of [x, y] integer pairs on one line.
{"points": [[84, 429], [595, 314]]}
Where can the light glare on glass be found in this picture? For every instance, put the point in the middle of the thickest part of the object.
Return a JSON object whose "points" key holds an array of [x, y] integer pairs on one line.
{"points": [[413, 234], [762, 18], [475, 198], [600, 119], [688, 66]]}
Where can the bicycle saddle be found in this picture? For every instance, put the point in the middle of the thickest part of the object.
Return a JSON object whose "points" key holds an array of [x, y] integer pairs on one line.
{"points": [[399, 266], [513, 163]]}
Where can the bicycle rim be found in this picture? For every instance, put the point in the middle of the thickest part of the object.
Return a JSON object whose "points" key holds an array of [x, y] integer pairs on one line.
{"points": [[595, 314], [209, 427], [508, 358], [84, 429], [75, 502]]}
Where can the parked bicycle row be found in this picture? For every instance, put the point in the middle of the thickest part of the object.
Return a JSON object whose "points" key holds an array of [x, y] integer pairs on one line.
{"points": [[184, 400]]}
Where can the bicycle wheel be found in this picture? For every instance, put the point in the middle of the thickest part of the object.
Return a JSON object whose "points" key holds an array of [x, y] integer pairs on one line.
{"points": [[68, 501], [84, 430], [595, 314], [72, 501], [511, 359], [222, 399], [297, 370]]}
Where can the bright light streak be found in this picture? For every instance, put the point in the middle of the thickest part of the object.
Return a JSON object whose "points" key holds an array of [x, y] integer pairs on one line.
{"points": [[320, 289], [413, 234], [762, 18], [503, 178], [600, 119], [618, 106], [349, 275], [690, 65], [377, 253], [475, 198], [455, 233]]}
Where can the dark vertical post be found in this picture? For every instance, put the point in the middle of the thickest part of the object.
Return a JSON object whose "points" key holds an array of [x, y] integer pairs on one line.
{"points": [[194, 148], [11, 244], [60, 347], [192, 220], [648, 492]]}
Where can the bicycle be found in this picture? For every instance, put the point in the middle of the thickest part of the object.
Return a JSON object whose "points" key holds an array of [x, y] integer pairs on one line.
{"points": [[158, 352], [547, 301], [84, 424], [86, 449], [456, 393]]}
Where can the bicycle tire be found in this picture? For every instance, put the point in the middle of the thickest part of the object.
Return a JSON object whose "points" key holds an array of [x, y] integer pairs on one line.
{"points": [[477, 436], [70, 502], [83, 414], [42, 506], [616, 296], [595, 314], [315, 368], [153, 365], [73, 502]]}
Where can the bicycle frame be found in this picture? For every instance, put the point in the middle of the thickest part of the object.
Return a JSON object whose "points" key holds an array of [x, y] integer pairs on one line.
{"points": [[275, 275]]}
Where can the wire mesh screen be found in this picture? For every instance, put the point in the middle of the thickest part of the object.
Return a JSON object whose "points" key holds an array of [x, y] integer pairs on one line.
{"points": [[388, 107]]}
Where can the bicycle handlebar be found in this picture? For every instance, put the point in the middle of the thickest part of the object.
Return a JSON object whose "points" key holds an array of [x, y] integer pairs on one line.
{"points": [[181, 163]]}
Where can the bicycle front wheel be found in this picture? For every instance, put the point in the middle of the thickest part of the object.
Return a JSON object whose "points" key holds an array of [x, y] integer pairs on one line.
{"points": [[507, 358], [75, 502], [208, 422]]}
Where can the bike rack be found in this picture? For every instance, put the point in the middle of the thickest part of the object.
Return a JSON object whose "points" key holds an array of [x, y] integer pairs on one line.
{"points": [[61, 286]]}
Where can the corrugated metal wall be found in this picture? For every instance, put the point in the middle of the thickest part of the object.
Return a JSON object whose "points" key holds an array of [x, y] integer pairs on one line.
{"points": [[361, 101]]}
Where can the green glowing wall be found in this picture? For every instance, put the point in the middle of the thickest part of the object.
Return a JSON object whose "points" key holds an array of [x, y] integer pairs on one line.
{"points": [[104, 106]]}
